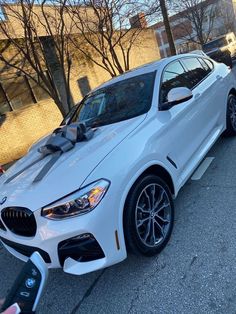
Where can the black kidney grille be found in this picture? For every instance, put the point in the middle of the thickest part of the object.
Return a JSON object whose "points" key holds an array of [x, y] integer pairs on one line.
{"points": [[19, 220]]}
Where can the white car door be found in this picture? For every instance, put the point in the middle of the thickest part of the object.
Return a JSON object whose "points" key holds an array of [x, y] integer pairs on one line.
{"points": [[209, 91], [190, 124]]}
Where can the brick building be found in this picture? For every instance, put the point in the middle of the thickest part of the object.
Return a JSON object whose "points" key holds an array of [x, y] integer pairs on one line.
{"points": [[27, 112], [182, 27]]}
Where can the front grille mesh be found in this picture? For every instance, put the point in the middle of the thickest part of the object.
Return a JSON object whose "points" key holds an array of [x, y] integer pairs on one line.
{"points": [[19, 220]]}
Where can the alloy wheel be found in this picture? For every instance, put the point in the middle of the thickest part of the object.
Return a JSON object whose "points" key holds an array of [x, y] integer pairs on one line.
{"points": [[153, 215]]}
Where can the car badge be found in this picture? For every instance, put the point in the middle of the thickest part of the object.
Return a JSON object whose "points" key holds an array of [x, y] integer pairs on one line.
{"points": [[3, 200]]}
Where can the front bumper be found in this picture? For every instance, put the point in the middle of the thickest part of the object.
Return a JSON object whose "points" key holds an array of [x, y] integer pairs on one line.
{"points": [[56, 240]]}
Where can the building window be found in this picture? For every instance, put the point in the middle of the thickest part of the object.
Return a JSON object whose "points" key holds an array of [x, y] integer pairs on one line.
{"points": [[84, 85], [18, 92]]}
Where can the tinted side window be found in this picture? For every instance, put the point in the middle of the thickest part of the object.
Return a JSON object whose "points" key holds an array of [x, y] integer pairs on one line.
{"points": [[174, 76], [204, 65], [195, 71], [209, 63]]}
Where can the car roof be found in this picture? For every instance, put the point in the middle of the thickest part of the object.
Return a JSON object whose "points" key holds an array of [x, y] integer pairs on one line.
{"points": [[146, 68]]}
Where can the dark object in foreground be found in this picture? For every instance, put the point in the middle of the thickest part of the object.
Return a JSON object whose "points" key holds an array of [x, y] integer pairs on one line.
{"points": [[222, 56], [28, 287], [1, 170]]}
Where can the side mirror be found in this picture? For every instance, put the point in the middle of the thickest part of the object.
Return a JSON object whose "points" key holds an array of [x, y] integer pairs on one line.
{"points": [[177, 96]]}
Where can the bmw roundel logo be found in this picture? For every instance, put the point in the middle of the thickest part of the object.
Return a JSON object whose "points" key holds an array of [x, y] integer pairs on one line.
{"points": [[3, 200]]}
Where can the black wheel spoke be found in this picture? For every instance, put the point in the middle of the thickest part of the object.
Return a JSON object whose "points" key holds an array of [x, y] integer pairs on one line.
{"points": [[163, 206], [160, 198], [153, 233], [165, 221], [160, 228], [148, 199], [148, 230], [153, 195], [142, 209], [142, 221]]}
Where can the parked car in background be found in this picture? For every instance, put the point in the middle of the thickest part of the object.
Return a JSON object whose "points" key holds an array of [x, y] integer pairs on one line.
{"points": [[114, 192], [222, 49]]}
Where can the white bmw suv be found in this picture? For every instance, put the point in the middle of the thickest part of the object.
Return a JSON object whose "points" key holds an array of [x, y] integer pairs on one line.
{"points": [[104, 182]]}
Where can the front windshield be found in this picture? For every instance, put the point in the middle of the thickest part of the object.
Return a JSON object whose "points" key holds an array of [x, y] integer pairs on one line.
{"points": [[221, 42], [120, 101]]}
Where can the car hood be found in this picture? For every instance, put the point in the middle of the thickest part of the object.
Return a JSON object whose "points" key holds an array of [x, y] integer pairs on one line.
{"points": [[67, 174]]}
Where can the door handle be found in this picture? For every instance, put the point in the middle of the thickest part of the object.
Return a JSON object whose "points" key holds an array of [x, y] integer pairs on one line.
{"points": [[219, 77]]}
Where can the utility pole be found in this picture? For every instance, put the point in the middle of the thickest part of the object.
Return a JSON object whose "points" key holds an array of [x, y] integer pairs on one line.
{"points": [[167, 27]]}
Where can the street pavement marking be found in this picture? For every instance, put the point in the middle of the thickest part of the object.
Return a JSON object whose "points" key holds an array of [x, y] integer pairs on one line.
{"points": [[202, 168]]}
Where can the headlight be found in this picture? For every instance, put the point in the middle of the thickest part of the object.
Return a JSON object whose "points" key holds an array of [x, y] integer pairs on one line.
{"points": [[79, 202]]}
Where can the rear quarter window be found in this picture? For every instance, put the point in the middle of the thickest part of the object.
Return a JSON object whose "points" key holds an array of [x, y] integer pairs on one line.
{"points": [[195, 71]]}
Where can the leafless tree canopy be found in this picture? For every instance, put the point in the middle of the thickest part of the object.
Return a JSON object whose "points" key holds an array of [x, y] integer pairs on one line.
{"points": [[32, 26], [108, 35], [226, 14], [98, 29], [201, 16]]}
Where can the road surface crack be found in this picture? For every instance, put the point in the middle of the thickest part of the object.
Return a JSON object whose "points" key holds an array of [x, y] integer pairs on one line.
{"points": [[88, 292]]}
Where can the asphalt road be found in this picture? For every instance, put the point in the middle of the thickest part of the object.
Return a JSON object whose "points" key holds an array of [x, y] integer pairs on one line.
{"points": [[196, 273]]}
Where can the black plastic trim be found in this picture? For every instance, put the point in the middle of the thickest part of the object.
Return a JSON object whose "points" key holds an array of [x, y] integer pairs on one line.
{"points": [[26, 250], [172, 162], [81, 249]]}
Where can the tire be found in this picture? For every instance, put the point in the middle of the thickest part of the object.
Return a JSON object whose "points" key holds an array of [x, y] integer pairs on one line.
{"points": [[231, 116], [140, 216]]}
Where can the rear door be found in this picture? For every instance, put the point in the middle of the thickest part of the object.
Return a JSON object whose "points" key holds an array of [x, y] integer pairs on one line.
{"points": [[207, 90], [190, 123]]}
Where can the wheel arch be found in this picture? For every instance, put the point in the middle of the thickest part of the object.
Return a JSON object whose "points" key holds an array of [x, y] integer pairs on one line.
{"points": [[158, 170], [155, 169]]}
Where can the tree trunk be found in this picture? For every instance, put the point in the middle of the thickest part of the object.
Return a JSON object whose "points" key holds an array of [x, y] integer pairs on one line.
{"points": [[61, 107], [167, 27]]}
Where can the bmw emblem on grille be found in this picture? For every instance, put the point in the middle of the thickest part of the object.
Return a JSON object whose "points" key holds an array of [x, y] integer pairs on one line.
{"points": [[3, 200]]}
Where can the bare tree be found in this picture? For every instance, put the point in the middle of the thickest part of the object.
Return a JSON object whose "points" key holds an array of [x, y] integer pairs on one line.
{"points": [[197, 19], [106, 37], [225, 12], [37, 34]]}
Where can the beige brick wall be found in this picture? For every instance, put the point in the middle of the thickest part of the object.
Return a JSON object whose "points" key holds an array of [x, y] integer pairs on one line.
{"points": [[23, 127]]}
